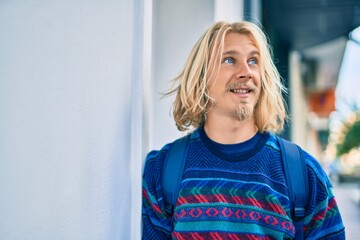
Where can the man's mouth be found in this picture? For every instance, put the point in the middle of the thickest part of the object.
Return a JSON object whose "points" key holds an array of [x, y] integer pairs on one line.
{"points": [[241, 91], [240, 88]]}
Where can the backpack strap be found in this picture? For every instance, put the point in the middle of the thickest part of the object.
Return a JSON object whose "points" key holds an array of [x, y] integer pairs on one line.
{"points": [[297, 181], [173, 169]]}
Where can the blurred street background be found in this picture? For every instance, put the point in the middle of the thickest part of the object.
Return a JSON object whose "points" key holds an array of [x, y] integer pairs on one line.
{"points": [[317, 44], [348, 198]]}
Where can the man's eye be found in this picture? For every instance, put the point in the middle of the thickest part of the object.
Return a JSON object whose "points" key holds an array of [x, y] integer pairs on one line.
{"points": [[229, 60], [253, 61]]}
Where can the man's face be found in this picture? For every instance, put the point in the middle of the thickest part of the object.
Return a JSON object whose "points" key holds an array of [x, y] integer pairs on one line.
{"points": [[237, 88]]}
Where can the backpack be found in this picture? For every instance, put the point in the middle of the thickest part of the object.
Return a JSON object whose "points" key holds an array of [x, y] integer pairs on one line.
{"points": [[293, 163]]}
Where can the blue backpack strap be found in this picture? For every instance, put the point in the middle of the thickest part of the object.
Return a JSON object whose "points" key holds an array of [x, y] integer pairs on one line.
{"points": [[297, 181], [173, 170]]}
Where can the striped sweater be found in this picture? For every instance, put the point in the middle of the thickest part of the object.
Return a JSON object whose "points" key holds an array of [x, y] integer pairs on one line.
{"points": [[242, 195]]}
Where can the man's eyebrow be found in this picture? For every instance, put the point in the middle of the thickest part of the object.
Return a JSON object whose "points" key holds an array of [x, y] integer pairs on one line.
{"points": [[234, 52], [231, 52]]}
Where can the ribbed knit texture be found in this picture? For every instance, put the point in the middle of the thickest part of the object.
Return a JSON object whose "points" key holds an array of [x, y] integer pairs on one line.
{"points": [[244, 196]]}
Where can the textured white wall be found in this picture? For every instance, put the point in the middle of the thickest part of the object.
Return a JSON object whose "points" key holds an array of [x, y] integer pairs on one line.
{"points": [[229, 10], [69, 107]]}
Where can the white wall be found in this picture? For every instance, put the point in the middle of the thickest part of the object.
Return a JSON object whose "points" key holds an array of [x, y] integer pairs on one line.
{"points": [[70, 123], [229, 10], [176, 27]]}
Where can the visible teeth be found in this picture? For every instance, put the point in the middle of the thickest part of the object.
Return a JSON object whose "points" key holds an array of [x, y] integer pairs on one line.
{"points": [[240, 91]]}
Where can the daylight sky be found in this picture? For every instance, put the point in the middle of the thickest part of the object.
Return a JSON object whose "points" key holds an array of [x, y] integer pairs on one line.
{"points": [[348, 86]]}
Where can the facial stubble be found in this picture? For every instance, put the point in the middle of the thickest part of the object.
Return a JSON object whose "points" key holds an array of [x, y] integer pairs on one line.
{"points": [[243, 111]]}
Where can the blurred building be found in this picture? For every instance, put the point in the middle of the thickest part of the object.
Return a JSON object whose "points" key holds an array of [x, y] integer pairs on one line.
{"points": [[309, 39]]}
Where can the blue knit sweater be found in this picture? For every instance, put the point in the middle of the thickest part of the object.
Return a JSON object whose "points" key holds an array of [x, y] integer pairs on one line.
{"points": [[235, 191]]}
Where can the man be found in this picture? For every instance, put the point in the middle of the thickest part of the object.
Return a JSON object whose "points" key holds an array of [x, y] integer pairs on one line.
{"points": [[233, 185]]}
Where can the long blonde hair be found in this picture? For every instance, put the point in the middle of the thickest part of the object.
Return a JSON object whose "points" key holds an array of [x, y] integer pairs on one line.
{"points": [[202, 67]]}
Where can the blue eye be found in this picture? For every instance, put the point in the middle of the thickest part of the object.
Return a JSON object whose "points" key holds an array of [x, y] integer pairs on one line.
{"points": [[229, 60], [253, 61]]}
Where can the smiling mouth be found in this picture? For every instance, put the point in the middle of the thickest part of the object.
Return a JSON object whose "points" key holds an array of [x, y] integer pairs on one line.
{"points": [[240, 88], [241, 91]]}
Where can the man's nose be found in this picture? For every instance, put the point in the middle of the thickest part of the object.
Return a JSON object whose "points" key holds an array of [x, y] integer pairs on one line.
{"points": [[244, 72]]}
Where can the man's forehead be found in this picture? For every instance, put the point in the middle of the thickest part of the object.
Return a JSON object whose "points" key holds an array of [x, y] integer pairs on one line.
{"points": [[234, 39]]}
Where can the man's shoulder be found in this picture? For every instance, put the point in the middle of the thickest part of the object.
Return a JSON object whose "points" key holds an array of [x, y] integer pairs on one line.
{"points": [[310, 160], [314, 167], [271, 141], [160, 154]]}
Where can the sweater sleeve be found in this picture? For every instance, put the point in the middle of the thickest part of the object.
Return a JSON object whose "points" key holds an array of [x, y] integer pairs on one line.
{"points": [[323, 219], [155, 219]]}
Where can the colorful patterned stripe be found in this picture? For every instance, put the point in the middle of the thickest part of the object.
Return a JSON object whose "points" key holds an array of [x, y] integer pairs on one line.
{"points": [[260, 196], [240, 191], [205, 227], [219, 207], [220, 236], [150, 202], [329, 212], [222, 183], [229, 200], [232, 214]]}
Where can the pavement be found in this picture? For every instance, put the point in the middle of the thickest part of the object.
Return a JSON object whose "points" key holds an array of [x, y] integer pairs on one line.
{"points": [[348, 198]]}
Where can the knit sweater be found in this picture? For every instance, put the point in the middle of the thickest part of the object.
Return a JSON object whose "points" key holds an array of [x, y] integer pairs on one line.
{"points": [[235, 192]]}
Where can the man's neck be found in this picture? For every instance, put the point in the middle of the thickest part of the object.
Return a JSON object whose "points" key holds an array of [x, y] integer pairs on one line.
{"points": [[230, 131]]}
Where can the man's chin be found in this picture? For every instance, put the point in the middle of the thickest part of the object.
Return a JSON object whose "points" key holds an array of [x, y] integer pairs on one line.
{"points": [[243, 113]]}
